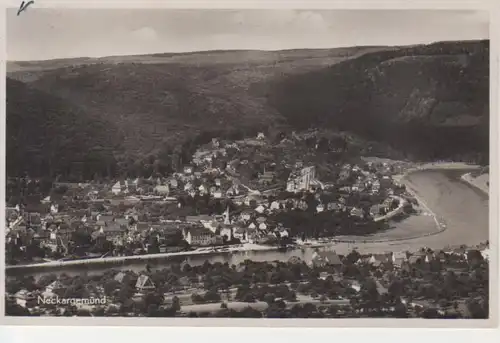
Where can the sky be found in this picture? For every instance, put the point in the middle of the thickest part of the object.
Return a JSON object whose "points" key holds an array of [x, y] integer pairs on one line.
{"points": [[42, 33]]}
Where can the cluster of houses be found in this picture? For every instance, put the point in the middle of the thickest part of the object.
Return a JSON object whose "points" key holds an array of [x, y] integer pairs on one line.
{"points": [[247, 227], [53, 229], [391, 261], [368, 181], [203, 177], [38, 300], [403, 260]]}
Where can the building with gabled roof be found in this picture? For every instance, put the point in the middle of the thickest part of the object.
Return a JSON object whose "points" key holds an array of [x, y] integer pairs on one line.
{"points": [[199, 236], [119, 277], [55, 286], [144, 283], [322, 258]]}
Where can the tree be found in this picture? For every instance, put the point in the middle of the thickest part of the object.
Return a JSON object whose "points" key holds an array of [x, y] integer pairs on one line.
{"points": [[13, 286], [126, 292], [369, 295], [71, 311], [353, 256], [430, 313], [443, 303], [13, 309], [196, 298], [176, 304], [155, 298], [83, 313], [152, 310], [400, 310], [395, 289], [110, 287], [249, 312], [269, 298], [476, 311]]}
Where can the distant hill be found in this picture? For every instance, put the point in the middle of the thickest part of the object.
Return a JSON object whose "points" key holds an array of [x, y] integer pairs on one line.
{"points": [[430, 101], [120, 114]]}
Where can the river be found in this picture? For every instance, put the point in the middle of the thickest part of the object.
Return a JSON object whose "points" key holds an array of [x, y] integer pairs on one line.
{"points": [[463, 208]]}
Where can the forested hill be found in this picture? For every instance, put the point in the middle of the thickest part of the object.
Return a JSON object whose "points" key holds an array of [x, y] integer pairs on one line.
{"points": [[136, 114], [429, 101], [47, 135]]}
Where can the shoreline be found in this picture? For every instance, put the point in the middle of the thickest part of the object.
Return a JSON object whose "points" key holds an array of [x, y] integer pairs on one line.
{"points": [[247, 247], [472, 181]]}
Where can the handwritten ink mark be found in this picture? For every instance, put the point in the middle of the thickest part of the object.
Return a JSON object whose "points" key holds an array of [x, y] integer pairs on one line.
{"points": [[24, 6]]}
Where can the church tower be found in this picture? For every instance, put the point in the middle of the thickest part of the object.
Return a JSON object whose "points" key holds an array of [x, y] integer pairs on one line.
{"points": [[227, 221]]}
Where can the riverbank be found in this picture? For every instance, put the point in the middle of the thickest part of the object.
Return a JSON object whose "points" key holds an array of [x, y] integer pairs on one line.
{"points": [[247, 247], [437, 166], [480, 182]]}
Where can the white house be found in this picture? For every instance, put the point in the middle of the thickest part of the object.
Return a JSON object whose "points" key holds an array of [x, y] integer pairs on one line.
{"points": [[486, 253], [143, 283], [261, 208], [23, 296], [199, 236], [283, 233], [245, 215], [275, 205], [54, 208], [399, 255], [357, 212], [117, 188], [162, 189], [320, 208], [188, 186], [54, 287], [173, 183], [119, 277], [202, 189]]}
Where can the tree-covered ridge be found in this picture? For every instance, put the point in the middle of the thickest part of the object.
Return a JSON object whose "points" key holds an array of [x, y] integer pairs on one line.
{"points": [[429, 101], [130, 115]]}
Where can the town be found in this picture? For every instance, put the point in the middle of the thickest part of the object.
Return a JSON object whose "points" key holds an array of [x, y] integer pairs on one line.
{"points": [[236, 196], [232, 193]]}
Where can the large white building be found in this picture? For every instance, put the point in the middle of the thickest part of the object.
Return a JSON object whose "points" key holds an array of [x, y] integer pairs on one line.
{"points": [[301, 179], [199, 236]]}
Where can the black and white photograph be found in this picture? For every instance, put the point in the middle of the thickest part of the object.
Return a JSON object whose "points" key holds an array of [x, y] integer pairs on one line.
{"points": [[247, 163]]}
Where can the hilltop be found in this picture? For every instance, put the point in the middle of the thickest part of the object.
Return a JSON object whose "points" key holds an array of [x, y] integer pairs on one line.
{"points": [[431, 101], [114, 114]]}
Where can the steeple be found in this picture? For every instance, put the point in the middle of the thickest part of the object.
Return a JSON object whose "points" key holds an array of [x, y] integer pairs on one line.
{"points": [[227, 221]]}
